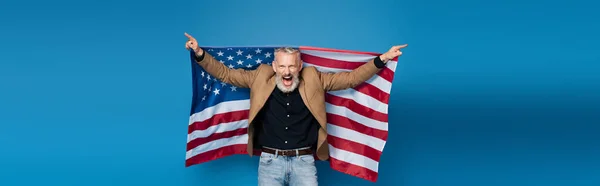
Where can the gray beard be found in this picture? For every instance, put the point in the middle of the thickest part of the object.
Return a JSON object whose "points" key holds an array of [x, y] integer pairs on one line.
{"points": [[280, 86]]}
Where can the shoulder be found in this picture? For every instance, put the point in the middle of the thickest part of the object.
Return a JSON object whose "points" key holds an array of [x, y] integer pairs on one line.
{"points": [[309, 70], [264, 70]]}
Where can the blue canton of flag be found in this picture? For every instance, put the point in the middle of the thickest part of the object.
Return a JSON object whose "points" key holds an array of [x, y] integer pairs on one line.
{"points": [[209, 91]]}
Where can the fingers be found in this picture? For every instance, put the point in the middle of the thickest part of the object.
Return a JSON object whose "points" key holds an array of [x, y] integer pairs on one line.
{"points": [[188, 36], [398, 47]]}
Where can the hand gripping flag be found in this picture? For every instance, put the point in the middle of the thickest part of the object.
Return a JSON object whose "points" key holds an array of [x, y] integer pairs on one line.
{"points": [[357, 118]]}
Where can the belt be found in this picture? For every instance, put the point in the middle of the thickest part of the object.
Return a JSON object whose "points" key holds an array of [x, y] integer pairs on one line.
{"points": [[287, 152]]}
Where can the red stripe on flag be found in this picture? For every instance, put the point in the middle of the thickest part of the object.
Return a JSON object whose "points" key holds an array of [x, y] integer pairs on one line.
{"points": [[215, 136], [218, 119], [373, 92], [342, 121], [356, 107], [338, 50], [351, 146], [216, 154], [352, 169], [331, 63], [384, 73]]}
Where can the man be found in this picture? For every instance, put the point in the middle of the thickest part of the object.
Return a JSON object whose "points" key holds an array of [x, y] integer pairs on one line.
{"points": [[287, 118]]}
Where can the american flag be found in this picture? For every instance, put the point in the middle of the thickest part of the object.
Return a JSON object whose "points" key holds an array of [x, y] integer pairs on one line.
{"points": [[357, 118]]}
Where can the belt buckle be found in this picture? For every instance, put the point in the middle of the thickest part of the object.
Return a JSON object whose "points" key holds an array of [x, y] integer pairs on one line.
{"points": [[283, 153]]}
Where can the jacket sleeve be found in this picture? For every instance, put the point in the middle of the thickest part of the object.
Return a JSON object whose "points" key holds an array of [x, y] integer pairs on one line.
{"points": [[351, 79], [237, 77]]}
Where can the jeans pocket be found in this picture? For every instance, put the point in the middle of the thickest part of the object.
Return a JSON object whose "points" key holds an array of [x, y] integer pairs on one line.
{"points": [[307, 159], [266, 158]]}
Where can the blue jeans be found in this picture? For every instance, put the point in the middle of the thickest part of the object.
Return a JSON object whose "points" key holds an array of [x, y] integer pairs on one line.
{"points": [[292, 170]]}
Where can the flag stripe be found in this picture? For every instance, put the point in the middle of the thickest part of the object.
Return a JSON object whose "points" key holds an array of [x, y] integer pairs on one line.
{"points": [[353, 158], [385, 73], [354, 170], [362, 99], [377, 80], [356, 107], [231, 125], [373, 92], [241, 139], [217, 119], [354, 147], [216, 153], [195, 142], [343, 111], [331, 63], [333, 51], [349, 57], [224, 107], [355, 136], [344, 122]]}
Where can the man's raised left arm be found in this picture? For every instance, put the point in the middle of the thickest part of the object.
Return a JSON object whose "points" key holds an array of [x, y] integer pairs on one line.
{"points": [[345, 80]]}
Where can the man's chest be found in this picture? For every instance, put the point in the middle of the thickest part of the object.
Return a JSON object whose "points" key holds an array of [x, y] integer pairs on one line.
{"points": [[288, 105]]}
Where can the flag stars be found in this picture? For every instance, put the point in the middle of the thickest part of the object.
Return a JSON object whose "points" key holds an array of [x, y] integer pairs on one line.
{"points": [[268, 55], [230, 58], [216, 91], [233, 88], [223, 84], [239, 52], [249, 56], [203, 98], [221, 61], [258, 51], [258, 61], [249, 66], [220, 53], [240, 62], [205, 87], [231, 66], [202, 73]]}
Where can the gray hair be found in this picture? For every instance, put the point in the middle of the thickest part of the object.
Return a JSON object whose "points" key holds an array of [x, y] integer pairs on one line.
{"points": [[288, 50]]}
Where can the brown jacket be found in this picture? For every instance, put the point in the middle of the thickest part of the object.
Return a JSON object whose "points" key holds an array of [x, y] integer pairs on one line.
{"points": [[312, 87]]}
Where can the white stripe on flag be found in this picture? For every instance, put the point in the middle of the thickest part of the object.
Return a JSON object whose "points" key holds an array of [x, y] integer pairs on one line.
{"points": [[224, 107], [345, 112], [350, 57], [353, 158], [362, 99], [377, 81], [216, 144], [222, 127], [354, 136]]}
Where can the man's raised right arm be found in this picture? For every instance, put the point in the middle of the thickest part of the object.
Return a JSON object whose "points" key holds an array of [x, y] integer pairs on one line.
{"points": [[236, 77]]}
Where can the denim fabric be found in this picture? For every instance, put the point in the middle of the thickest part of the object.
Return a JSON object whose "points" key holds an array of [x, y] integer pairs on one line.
{"points": [[287, 170]]}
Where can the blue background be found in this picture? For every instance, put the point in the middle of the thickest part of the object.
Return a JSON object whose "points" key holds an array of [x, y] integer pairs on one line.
{"points": [[487, 93]]}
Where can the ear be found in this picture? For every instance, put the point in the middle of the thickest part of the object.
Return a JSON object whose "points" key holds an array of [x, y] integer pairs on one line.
{"points": [[300, 63], [273, 64]]}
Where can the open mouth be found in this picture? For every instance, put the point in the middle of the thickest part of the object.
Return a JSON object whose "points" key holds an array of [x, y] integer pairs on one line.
{"points": [[287, 80]]}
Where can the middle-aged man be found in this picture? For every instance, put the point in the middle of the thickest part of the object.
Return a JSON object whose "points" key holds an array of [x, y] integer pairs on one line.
{"points": [[288, 123]]}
